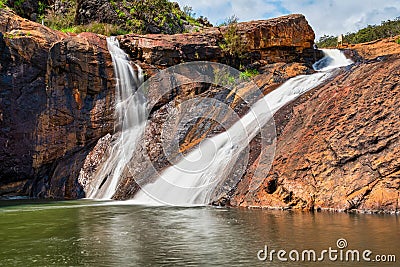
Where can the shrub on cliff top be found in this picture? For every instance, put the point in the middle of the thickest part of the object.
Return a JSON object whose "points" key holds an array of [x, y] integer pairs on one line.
{"points": [[232, 44], [29, 9], [154, 16]]}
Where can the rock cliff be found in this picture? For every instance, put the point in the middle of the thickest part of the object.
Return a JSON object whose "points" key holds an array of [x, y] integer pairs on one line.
{"points": [[24, 47], [55, 104], [79, 110]]}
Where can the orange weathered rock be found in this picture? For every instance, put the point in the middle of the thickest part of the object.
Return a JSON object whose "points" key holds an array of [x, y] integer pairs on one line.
{"points": [[378, 48]]}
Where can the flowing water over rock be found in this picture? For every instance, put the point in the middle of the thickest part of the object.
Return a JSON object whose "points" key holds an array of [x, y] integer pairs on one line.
{"points": [[333, 59], [131, 117], [193, 180]]}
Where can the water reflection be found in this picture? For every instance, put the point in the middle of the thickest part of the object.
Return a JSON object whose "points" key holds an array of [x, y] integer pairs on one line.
{"points": [[86, 234]]}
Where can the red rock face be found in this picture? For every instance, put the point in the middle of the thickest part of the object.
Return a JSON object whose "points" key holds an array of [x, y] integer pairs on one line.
{"points": [[24, 48], [78, 78], [79, 110], [339, 146]]}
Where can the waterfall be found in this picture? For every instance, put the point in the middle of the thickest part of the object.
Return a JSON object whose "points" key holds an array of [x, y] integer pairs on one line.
{"points": [[130, 111], [333, 59], [192, 180]]}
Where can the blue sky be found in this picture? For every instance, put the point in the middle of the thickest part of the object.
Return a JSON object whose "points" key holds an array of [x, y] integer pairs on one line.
{"points": [[325, 16]]}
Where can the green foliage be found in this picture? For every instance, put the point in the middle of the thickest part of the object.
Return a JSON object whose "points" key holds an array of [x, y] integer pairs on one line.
{"points": [[147, 15], [232, 44], [17, 6], [17, 33], [10, 35], [18, 3], [120, 13], [193, 21], [41, 8], [398, 41], [58, 21], [327, 41], [65, 22], [3, 3], [139, 16], [153, 16], [248, 74], [224, 78], [227, 79], [95, 27], [72, 29], [386, 29]]}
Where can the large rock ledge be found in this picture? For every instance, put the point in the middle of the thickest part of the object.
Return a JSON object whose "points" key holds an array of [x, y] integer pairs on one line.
{"points": [[284, 39], [339, 146]]}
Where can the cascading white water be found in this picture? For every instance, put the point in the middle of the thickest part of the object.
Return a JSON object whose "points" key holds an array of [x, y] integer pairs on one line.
{"points": [[193, 179], [130, 112], [333, 59]]}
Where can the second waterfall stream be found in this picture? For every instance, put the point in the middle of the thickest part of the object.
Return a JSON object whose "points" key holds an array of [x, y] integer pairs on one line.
{"points": [[215, 157]]}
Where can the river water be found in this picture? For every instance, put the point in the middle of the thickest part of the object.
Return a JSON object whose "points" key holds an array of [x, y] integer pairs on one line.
{"points": [[93, 233]]}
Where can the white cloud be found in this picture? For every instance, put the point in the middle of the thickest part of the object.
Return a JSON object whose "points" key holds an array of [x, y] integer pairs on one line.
{"points": [[247, 10], [330, 17]]}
